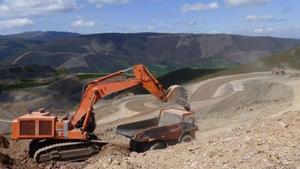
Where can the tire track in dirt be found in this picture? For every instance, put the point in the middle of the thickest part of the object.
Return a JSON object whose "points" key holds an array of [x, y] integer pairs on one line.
{"points": [[206, 89]]}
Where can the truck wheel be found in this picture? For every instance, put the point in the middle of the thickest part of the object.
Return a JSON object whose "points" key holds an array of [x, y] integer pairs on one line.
{"points": [[135, 146], [186, 138], [157, 146], [154, 146]]}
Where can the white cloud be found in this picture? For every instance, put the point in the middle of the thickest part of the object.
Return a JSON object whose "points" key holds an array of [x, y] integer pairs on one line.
{"points": [[263, 18], [258, 18], [246, 2], [101, 3], [14, 23], [215, 32], [199, 7], [134, 28], [35, 7], [186, 23], [263, 30], [150, 27], [83, 23]]}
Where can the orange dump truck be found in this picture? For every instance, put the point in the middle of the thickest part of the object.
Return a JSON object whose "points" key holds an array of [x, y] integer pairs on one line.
{"points": [[171, 127]]}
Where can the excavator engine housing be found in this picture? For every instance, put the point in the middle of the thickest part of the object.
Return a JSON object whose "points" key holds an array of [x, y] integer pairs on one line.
{"points": [[33, 126]]}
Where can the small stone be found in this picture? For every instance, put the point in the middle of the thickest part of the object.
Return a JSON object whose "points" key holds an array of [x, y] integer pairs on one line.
{"points": [[282, 124], [211, 154], [48, 167], [273, 158], [247, 138], [104, 165], [194, 164], [133, 154], [110, 160]]}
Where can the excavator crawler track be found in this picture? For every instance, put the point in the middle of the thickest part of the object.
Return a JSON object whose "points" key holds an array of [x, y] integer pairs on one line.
{"points": [[68, 151]]}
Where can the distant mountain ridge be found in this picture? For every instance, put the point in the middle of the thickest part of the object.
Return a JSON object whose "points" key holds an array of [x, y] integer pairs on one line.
{"points": [[161, 52], [41, 36]]}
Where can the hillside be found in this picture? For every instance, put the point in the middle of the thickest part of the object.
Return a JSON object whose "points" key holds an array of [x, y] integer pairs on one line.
{"points": [[15, 45], [12, 48], [159, 51], [289, 59], [184, 75]]}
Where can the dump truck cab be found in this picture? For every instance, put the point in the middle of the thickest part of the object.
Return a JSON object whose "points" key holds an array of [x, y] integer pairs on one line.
{"points": [[171, 127], [176, 116]]}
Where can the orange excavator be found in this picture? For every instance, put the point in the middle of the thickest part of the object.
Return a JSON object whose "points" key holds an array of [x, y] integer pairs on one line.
{"points": [[72, 138]]}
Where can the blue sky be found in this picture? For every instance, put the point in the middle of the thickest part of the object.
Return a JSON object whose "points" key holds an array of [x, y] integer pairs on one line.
{"points": [[249, 17]]}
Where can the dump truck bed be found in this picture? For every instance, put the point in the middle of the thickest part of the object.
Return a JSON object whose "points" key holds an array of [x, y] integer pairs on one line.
{"points": [[129, 130]]}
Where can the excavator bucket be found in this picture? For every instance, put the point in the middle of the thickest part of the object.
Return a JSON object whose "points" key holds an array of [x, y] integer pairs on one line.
{"points": [[178, 94]]}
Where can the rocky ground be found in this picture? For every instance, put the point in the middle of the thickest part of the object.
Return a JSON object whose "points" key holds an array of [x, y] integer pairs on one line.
{"points": [[245, 121]]}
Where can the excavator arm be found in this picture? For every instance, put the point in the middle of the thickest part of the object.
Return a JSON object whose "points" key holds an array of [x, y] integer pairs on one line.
{"points": [[99, 88]]}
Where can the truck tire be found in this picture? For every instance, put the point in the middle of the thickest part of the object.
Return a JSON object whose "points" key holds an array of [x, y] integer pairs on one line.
{"points": [[154, 146], [186, 138], [136, 146]]}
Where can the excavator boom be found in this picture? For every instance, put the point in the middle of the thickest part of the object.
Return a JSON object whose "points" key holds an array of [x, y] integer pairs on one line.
{"points": [[97, 89]]}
